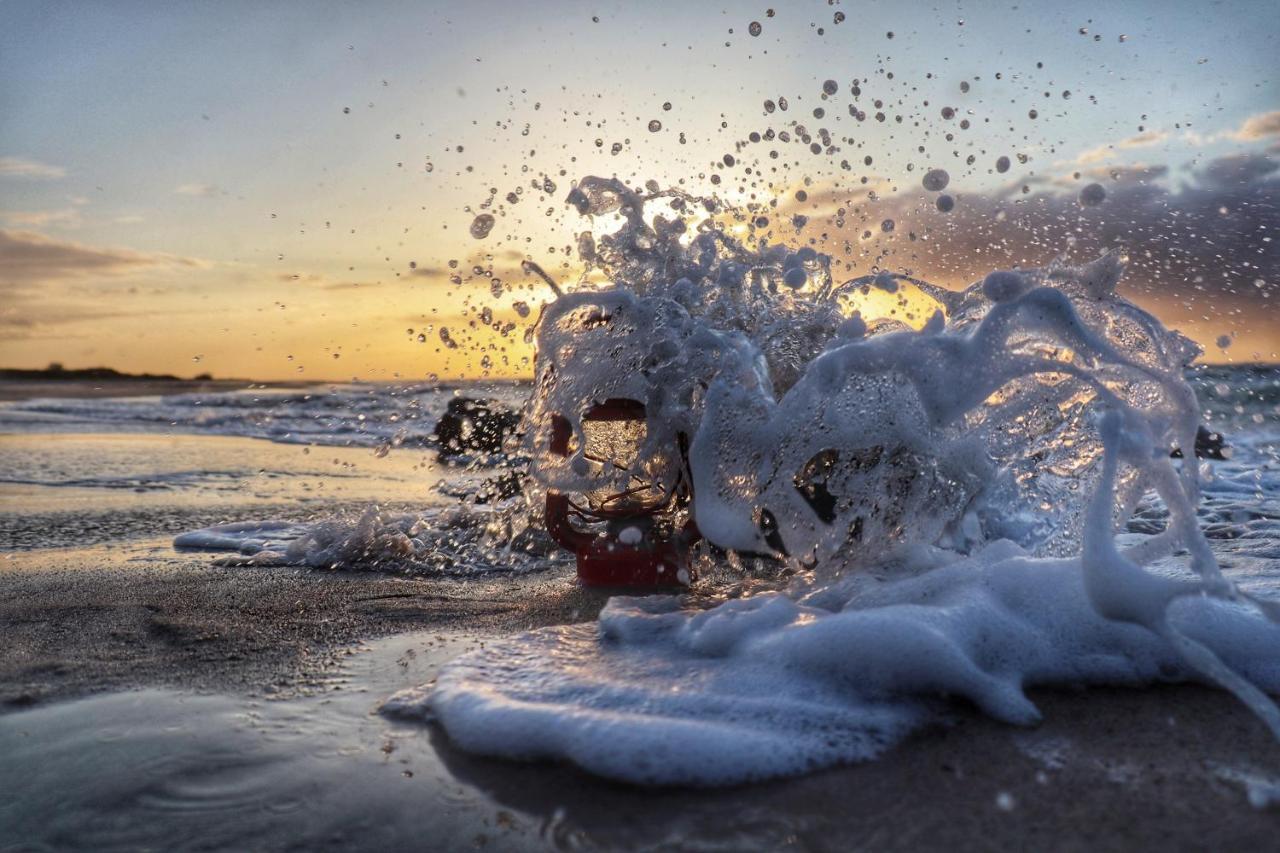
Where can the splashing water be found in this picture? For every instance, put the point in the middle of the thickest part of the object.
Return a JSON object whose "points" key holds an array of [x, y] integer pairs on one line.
{"points": [[943, 472]]}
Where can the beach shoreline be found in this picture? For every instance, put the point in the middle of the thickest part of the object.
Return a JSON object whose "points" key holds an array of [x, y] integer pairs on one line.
{"points": [[105, 627], [1109, 768]]}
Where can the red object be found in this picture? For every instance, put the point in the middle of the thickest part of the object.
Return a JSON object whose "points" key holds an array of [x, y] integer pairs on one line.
{"points": [[656, 560]]}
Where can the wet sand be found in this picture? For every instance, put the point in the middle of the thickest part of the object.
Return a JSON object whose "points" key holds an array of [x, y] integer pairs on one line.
{"points": [[86, 621], [1108, 769]]}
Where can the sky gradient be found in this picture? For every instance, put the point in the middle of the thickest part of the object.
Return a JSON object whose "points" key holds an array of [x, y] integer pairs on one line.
{"points": [[276, 190]]}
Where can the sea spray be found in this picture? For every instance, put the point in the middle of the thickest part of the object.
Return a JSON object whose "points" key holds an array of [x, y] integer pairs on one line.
{"points": [[972, 472]]}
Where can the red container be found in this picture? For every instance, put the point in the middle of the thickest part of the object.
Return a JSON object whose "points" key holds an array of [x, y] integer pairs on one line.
{"points": [[656, 550]]}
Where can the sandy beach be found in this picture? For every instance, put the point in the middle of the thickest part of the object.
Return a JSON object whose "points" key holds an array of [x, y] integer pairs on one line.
{"points": [[147, 636], [116, 634]]}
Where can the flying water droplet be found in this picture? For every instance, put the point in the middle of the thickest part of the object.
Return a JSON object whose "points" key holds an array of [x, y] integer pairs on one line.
{"points": [[936, 180], [482, 225], [1092, 195]]}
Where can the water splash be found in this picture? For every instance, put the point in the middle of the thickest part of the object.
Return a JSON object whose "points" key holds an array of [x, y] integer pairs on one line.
{"points": [[970, 454]]}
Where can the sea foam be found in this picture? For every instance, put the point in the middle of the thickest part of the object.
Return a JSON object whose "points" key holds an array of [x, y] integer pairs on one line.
{"points": [[777, 685]]}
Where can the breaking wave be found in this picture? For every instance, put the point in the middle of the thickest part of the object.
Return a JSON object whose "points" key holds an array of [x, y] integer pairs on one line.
{"points": [[942, 473]]}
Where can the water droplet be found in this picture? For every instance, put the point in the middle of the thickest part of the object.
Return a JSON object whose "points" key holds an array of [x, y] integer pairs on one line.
{"points": [[936, 180], [482, 225], [946, 203], [1092, 195], [964, 85], [1002, 165], [654, 125], [754, 28], [830, 87]]}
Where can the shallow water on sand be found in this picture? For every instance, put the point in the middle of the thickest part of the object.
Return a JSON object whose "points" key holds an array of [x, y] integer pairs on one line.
{"points": [[170, 770], [76, 489]]}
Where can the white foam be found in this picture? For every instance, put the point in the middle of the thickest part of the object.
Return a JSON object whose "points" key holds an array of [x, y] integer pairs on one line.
{"points": [[777, 685], [458, 539]]}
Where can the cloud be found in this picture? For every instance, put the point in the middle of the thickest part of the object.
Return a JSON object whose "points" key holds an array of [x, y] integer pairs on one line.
{"points": [[1103, 153], [1237, 170], [27, 257], [18, 167], [69, 217], [1197, 241], [1096, 155], [1260, 126], [323, 282], [48, 284], [197, 190], [431, 271], [1253, 129], [1142, 140]]}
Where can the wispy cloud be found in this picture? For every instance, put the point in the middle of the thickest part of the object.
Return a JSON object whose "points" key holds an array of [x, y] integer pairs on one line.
{"points": [[1103, 153], [198, 190], [1095, 155], [1253, 129], [1260, 126], [67, 218], [27, 257], [1143, 140], [19, 167], [323, 282]]}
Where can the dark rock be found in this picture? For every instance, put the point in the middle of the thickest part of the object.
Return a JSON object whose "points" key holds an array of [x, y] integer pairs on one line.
{"points": [[1209, 445], [473, 426]]}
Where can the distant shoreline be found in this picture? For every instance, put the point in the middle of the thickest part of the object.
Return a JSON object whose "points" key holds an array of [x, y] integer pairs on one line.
{"points": [[57, 373], [18, 385], [25, 389]]}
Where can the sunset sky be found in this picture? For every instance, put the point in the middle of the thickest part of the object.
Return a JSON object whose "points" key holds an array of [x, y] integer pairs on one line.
{"points": [[251, 189]]}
